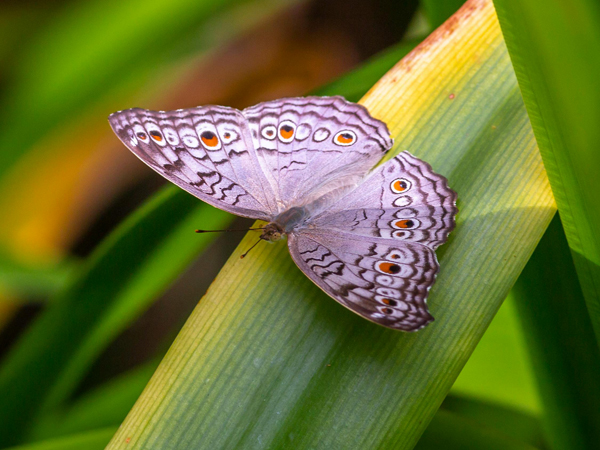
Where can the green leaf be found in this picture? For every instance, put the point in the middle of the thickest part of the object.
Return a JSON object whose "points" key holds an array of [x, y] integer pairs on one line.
{"points": [[121, 279], [104, 406], [450, 431], [507, 378], [91, 440], [555, 50], [268, 360], [31, 281], [96, 47], [437, 11], [511, 422], [561, 342], [355, 84]]}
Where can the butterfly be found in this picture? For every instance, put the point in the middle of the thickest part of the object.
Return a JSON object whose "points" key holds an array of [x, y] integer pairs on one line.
{"points": [[366, 236]]}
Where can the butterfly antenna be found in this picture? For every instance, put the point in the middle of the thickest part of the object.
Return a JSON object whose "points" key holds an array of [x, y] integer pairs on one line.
{"points": [[248, 251], [222, 231]]}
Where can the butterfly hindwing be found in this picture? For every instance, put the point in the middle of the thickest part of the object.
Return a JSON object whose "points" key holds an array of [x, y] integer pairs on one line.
{"points": [[385, 281], [373, 250], [206, 151], [403, 199]]}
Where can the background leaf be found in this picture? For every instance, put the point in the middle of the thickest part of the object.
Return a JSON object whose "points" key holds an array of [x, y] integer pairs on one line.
{"points": [[115, 286], [91, 440], [82, 56], [356, 83], [438, 11], [511, 422], [561, 342], [33, 281], [102, 407], [556, 56], [453, 432]]}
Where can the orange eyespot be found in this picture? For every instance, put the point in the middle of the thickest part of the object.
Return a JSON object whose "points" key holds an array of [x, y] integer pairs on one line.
{"points": [[345, 137], [228, 136], [388, 267], [156, 135], [389, 301], [399, 234], [209, 139], [286, 131], [405, 223], [387, 311], [400, 185], [269, 132], [141, 135]]}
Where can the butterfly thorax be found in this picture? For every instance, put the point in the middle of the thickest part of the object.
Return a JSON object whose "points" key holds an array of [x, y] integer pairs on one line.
{"points": [[284, 223]]}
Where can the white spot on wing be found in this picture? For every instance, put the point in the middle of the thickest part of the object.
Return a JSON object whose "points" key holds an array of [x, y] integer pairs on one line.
{"points": [[385, 280], [321, 134], [404, 200], [303, 131], [189, 140], [388, 292], [171, 136]]}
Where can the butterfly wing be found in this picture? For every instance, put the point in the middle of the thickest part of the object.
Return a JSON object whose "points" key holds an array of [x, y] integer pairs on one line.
{"points": [[315, 147], [384, 281], [402, 199], [373, 250], [207, 151], [261, 161]]}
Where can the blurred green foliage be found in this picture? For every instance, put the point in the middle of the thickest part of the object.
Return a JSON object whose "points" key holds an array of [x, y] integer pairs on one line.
{"points": [[531, 383]]}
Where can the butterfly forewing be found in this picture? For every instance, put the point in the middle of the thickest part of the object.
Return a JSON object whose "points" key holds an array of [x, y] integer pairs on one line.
{"points": [[311, 146], [207, 151]]}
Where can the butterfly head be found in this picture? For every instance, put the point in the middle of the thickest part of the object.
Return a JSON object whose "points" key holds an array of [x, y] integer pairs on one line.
{"points": [[272, 232]]}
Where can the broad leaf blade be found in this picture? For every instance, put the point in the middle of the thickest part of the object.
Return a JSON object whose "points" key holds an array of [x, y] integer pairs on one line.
{"points": [[561, 341], [555, 49], [268, 360]]}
